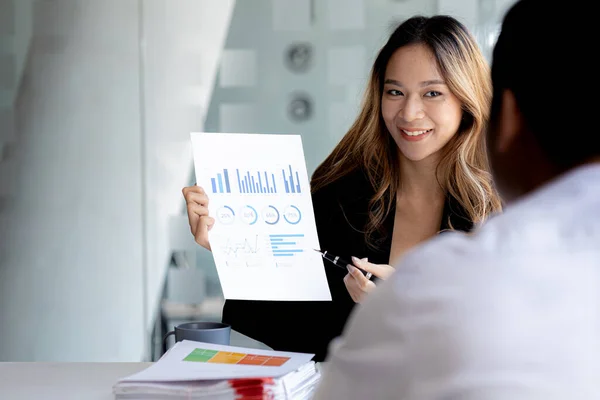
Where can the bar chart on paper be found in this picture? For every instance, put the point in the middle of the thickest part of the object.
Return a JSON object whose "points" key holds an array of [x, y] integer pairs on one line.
{"points": [[220, 183], [256, 182], [259, 196]]}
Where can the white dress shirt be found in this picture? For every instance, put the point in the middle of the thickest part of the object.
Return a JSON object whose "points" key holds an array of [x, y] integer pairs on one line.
{"points": [[510, 312]]}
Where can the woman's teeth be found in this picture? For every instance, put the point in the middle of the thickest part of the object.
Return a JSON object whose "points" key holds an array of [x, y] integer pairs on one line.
{"points": [[415, 133]]}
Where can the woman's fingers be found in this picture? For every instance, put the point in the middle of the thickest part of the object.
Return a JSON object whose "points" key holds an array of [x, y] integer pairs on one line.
{"points": [[350, 286], [203, 225], [197, 211], [194, 196], [197, 198], [357, 284], [193, 189], [382, 271], [361, 280]]}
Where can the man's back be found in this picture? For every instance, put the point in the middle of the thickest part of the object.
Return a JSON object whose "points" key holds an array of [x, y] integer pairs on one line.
{"points": [[511, 312]]}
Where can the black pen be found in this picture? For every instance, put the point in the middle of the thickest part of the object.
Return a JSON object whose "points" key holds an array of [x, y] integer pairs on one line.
{"points": [[341, 263]]}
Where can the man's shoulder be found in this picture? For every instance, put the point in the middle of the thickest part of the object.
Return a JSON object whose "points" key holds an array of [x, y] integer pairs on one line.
{"points": [[457, 246], [533, 224], [447, 254], [457, 258]]}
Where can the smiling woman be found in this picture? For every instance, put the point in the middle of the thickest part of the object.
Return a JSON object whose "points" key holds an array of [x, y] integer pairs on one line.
{"points": [[418, 144], [419, 108], [413, 164]]}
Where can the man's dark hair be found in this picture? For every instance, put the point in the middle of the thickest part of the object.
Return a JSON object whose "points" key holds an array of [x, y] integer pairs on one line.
{"points": [[544, 55]]}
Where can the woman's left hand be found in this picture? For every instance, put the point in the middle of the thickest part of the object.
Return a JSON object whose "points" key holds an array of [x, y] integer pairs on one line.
{"points": [[358, 284]]}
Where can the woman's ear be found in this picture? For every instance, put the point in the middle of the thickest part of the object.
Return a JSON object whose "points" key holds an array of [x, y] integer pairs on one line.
{"points": [[510, 123]]}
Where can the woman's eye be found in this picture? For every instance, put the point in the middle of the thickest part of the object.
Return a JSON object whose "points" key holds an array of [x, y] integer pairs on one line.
{"points": [[394, 92], [433, 93]]}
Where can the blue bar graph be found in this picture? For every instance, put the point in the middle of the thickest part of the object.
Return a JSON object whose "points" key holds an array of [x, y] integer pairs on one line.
{"points": [[285, 245], [291, 186], [287, 186], [218, 182], [255, 182], [227, 188]]}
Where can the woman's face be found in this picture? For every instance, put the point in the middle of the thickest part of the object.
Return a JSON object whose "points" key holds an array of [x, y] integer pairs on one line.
{"points": [[419, 110]]}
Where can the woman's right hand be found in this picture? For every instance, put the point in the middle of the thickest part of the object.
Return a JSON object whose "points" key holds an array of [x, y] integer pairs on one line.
{"points": [[197, 211]]}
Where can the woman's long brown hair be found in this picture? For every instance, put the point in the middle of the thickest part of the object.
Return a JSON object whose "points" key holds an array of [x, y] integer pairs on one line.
{"points": [[463, 171]]}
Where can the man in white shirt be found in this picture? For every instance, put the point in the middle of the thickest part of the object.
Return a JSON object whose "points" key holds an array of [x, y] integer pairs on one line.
{"points": [[511, 312]]}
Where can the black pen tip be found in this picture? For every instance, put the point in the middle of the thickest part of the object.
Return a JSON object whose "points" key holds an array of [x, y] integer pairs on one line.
{"points": [[318, 250]]}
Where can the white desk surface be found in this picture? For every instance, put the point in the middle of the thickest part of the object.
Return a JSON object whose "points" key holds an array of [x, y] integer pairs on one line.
{"points": [[63, 381], [76, 380]]}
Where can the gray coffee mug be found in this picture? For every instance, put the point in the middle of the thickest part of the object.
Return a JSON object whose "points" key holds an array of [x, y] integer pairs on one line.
{"points": [[208, 332]]}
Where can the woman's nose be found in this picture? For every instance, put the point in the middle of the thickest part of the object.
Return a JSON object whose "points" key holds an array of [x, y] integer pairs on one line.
{"points": [[413, 109]]}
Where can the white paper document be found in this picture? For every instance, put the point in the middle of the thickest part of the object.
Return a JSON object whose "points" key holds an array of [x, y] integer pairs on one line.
{"points": [[264, 235], [198, 361]]}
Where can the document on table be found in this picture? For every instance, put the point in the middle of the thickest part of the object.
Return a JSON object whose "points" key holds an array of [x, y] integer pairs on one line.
{"points": [[190, 361], [264, 232]]}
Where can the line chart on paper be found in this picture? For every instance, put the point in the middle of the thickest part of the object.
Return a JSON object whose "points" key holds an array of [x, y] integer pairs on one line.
{"points": [[268, 250], [241, 247], [245, 250]]}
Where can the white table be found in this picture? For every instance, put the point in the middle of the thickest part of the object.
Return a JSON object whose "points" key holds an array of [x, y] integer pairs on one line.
{"points": [[77, 381], [63, 381]]}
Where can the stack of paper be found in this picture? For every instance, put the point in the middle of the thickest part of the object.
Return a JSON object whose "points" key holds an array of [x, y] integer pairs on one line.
{"points": [[196, 370]]}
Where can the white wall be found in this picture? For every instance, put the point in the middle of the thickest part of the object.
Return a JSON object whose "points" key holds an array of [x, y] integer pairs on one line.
{"points": [[23, 31], [100, 156], [71, 287], [482, 17], [183, 42]]}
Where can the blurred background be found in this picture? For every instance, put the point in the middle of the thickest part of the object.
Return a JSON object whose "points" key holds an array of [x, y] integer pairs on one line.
{"points": [[97, 101]]}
